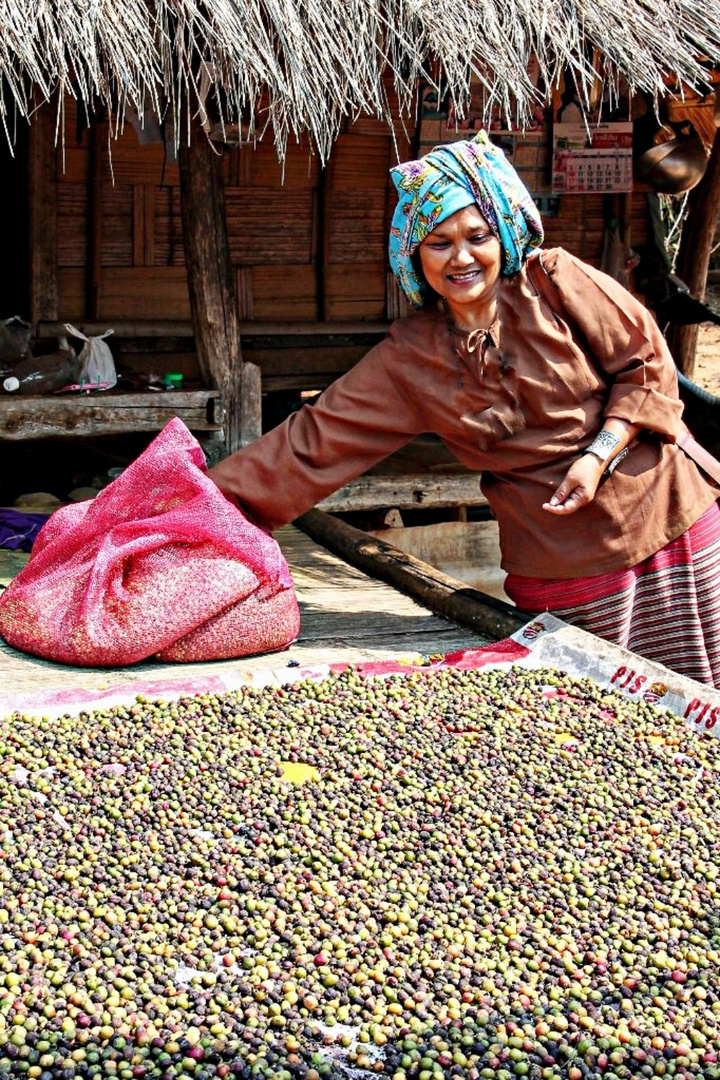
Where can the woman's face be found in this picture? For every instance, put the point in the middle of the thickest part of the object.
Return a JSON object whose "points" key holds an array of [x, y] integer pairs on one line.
{"points": [[461, 261]]}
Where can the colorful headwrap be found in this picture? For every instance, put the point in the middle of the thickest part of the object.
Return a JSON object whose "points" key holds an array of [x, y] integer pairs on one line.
{"points": [[448, 179]]}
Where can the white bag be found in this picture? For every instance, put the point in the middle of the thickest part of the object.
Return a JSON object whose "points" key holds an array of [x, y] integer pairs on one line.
{"points": [[97, 366]]}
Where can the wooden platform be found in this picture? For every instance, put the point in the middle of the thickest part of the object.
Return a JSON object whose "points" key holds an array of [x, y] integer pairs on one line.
{"points": [[347, 617]]}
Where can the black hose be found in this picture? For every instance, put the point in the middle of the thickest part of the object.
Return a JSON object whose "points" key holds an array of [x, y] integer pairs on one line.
{"points": [[699, 392]]}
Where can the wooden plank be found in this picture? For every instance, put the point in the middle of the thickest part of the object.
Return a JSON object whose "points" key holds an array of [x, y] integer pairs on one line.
{"points": [[349, 307], [342, 331], [303, 363], [135, 164], [250, 402], [117, 241], [360, 163], [75, 164], [406, 492], [106, 414], [243, 292]]}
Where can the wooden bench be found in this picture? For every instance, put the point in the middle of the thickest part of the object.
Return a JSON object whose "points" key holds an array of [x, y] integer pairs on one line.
{"points": [[107, 413]]}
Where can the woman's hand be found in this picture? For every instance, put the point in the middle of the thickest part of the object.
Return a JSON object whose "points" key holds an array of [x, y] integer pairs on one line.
{"points": [[582, 478], [578, 488]]}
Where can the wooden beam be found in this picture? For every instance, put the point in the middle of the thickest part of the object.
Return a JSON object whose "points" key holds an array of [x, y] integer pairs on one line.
{"points": [[42, 182], [93, 279], [345, 333], [418, 491], [211, 282], [107, 414], [436, 591]]}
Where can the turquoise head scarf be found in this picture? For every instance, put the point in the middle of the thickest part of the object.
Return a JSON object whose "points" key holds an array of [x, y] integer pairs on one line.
{"points": [[446, 180]]}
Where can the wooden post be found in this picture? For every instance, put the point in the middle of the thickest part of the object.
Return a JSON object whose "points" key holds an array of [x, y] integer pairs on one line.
{"points": [[42, 181], [93, 270], [323, 197], [213, 303], [693, 259]]}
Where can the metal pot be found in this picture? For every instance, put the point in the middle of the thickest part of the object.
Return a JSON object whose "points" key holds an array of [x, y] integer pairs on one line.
{"points": [[675, 165]]}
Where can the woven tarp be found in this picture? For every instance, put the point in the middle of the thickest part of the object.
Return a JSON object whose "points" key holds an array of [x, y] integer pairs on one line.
{"points": [[160, 564]]}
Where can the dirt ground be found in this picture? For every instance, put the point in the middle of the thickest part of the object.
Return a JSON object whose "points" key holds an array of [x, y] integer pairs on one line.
{"points": [[707, 357]]}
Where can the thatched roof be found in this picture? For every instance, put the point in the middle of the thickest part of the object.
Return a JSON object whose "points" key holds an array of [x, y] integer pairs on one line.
{"points": [[311, 63]]}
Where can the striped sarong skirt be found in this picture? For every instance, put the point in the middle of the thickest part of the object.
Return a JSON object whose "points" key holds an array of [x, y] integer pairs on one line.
{"points": [[666, 608]]}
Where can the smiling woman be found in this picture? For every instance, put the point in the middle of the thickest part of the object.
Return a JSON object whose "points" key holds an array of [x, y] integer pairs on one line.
{"points": [[460, 261], [549, 379]]}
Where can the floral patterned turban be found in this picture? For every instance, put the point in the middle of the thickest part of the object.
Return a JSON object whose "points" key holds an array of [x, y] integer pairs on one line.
{"points": [[446, 180]]}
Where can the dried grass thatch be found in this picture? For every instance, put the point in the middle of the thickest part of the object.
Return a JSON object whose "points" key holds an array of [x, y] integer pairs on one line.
{"points": [[303, 66]]}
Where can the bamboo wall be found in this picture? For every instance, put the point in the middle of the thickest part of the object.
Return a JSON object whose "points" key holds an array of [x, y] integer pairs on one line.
{"points": [[306, 246]]}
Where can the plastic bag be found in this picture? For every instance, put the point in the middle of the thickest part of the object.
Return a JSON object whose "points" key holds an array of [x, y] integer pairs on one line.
{"points": [[159, 564], [97, 366], [14, 341], [44, 374]]}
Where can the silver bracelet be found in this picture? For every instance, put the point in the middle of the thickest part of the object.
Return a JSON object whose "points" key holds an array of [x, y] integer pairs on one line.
{"points": [[616, 461], [603, 446]]}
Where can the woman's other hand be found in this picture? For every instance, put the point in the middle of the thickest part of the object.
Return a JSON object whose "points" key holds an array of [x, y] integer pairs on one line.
{"points": [[578, 488]]}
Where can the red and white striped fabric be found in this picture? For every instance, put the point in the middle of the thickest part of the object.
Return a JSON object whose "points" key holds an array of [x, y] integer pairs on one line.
{"points": [[666, 608]]}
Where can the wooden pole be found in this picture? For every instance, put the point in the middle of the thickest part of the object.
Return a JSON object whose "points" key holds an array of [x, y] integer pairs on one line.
{"points": [[693, 259], [42, 186], [436, 591], [213, 304], [93, 278]]}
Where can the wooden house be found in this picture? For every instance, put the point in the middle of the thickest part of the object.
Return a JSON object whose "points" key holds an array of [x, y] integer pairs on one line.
{"points": [[253, 260]]}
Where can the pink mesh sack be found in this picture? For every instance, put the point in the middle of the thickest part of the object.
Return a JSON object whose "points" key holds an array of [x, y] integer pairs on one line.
{"points": [[159, 564]]}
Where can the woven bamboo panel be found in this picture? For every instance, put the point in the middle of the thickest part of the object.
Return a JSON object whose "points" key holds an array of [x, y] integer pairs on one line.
{"points": [[269, 226], [345, 300], [300, 172], [127, 162], [117, 225], [74, 165], [361, 162], [72, 224], [283, 295], [144, 293], [357, 213], [168, 227], [71, 293], [372, 125], [356, 229]]}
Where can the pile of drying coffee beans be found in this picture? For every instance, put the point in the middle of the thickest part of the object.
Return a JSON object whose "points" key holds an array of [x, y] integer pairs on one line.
{"points": [[441, 874]]}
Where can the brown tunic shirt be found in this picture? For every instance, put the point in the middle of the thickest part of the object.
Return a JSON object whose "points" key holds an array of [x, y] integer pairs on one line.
{"points": [[519, 409]]}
